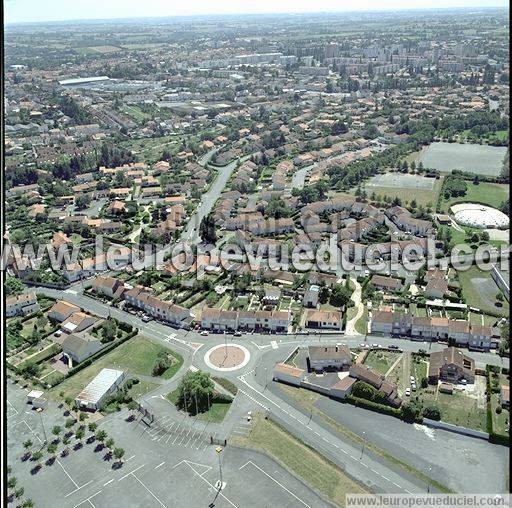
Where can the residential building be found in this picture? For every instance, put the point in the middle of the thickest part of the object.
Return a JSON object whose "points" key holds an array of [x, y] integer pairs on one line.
{"points": [[77, 347], [288, 374], [323, 319], [450, 365], [61, 310], [22, 304], [335, 357]]}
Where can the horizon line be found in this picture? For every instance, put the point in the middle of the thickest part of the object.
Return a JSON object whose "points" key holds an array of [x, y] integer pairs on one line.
{"points": [[503, 6]]}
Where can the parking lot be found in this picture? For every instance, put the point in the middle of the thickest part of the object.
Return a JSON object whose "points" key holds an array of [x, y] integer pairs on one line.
{"points": [[170, 465]]}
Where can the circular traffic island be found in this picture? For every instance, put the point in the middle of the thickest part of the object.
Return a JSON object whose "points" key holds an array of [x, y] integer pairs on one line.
{"points": [[225, 358]]}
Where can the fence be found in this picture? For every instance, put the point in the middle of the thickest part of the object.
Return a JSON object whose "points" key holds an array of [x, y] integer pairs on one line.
{"points": [[455, 428]]}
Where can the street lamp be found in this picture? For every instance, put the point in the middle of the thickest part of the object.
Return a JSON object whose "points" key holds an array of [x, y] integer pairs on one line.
{"points": [[219, 451], [364, 442], [428, 484]]}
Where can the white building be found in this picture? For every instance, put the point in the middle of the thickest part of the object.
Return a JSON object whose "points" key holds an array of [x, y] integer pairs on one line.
{"points": [[100, 388]]}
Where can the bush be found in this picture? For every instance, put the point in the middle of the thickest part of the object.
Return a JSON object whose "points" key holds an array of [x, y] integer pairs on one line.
{"points": [[498, 410], [432, 412], [374, 406]]}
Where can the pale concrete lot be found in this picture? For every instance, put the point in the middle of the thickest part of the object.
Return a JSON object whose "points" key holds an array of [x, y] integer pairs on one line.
{"points": [[154, 473]]}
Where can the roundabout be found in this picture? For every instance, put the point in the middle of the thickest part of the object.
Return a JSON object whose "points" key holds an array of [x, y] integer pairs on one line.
{"points": [[227, 357]]}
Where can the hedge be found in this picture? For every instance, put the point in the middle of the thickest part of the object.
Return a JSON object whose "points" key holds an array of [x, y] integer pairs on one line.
{"points": [[374, 406], [226, 384]]}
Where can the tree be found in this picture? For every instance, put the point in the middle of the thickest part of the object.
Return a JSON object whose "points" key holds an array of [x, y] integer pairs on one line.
{"points": [[79, 434], [56, 430], [28, 503], [19, 493], [82, 416], [340, 296], [118, 453], [37, 456], [432, 412], [109, 330], [11, 482], [66, 441], [68, 401], [101, 436], [27, 445], [52, 448], [109, 443], [93, 426], [194, 391], [82, 201], [13, 286], [207, 229]]}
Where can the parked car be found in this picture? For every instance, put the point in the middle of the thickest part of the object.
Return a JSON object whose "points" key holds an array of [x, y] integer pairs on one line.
{"points": [[238, 334], [408, 392], [392, 346], [146, 319], [204, 333]]}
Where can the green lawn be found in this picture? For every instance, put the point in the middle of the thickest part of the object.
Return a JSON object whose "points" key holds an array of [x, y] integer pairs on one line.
{"points": [[135, 112], [137, 356], [501, 421], [491, 194], [362, 322], [216, 413], [479, 291], [314, 469], [380, 361], [456, 408]]}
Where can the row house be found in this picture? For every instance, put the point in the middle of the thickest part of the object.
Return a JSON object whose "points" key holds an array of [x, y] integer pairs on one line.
{"points": [[141, 299], [403, 220], [217, 319], [272, 227], [436, 328]]}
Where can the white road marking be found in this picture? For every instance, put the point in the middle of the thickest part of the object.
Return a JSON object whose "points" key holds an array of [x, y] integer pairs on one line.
{"points": [[77, 489], [131, 472], [160, 465], [110, 481], [88, 500], [274, 345], [189, 464], [149, 490], [67, 474]]}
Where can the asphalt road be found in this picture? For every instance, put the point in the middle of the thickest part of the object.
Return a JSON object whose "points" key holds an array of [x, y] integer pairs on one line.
{"points": [[253, 380]]}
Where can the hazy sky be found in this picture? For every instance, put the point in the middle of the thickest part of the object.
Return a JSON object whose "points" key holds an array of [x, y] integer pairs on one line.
{"points": [[53, 10]]}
